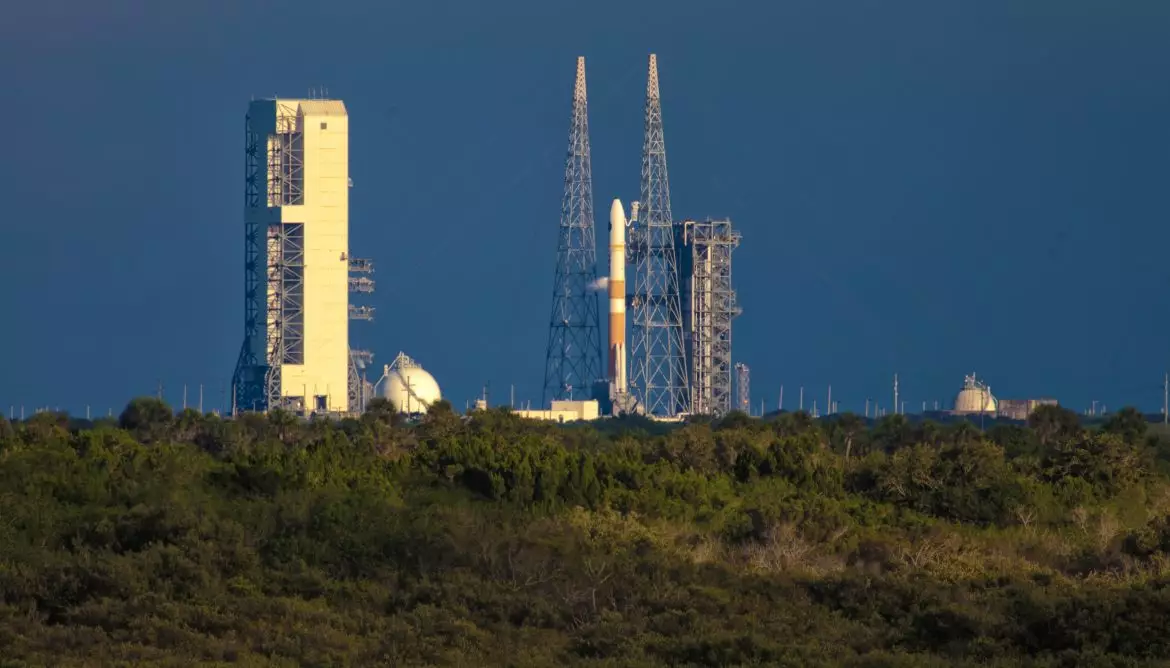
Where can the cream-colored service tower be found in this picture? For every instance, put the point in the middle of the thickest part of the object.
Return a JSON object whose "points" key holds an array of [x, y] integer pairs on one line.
{"points": [[314, 194]]}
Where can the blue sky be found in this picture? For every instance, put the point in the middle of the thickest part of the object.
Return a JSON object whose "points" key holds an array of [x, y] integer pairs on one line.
{"points": [[927, 187]]}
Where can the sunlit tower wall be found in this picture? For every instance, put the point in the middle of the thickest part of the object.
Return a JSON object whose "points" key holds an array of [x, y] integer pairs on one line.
{"points": [[657, 352], [709, 304], [295, 353], [573, 360]]}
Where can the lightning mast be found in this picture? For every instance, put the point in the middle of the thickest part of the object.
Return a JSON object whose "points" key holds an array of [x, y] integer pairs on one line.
{"points": [[573, 360], [658, 357]]}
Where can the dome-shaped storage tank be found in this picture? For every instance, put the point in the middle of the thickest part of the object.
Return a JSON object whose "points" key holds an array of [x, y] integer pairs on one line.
{"points": [[975, 397], [408, 387]]}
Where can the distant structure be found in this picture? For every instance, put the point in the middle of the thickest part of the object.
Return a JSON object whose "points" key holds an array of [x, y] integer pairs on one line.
{"points": [[1021, 409], [360, 389], [565, 411], [743, 382], [407, 386], [974, 398], [295, 355], [573, 359], [658, 356], [708, 306], [677, 360]]}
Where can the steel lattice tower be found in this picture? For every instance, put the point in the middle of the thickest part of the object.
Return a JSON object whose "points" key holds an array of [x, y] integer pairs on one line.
{"points": [[709, 305], [573, 361], [658, 357]]}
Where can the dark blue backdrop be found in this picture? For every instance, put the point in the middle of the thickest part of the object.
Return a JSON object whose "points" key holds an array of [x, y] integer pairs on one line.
{"points": [[928, 186]]}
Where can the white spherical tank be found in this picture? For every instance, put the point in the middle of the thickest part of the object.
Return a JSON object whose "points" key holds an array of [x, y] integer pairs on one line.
{"points": [[408, 387], [975, 397]]}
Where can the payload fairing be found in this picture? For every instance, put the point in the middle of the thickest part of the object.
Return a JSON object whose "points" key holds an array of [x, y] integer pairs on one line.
{"points": [[617, 297]]}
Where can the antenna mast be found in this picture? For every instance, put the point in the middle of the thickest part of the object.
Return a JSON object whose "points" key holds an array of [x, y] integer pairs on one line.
{"points": [[573, 359], [896, 404]]}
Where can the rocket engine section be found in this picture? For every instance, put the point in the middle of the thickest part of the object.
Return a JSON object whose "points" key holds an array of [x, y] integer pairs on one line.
{"points": [[617, 297]]}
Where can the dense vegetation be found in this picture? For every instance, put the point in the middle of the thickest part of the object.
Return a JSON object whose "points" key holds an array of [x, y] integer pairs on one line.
{"points": [[489, 540]]}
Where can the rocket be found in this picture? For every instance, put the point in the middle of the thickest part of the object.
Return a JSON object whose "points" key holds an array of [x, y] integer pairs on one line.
{"points": [[617, 296]]}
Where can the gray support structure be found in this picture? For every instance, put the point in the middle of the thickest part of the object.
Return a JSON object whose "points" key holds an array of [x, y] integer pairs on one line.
{"points": [[709, 304], [657, 352], [248, 378], [573, 359], [273, 264], [359, 390], [285, 313], [743, 378]]}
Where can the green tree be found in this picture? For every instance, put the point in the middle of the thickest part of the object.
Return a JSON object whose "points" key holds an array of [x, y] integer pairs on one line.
{"points": [[1129, 424], [1053, 424], [892, 433], [1105, 461], [379, 409], [846, 429], [148, 418]]}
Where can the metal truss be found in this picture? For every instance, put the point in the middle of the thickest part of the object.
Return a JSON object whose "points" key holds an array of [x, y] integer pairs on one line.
{"points": [[248, 380], [274, 174], [359, 390], [361, 284], [709, 304], [743, 381], [286, 311], [361, 266], [573, 359], [658, 356], [286, 160], [365, 313]]}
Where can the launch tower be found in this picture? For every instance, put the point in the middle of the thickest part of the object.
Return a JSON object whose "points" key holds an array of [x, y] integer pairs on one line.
{"points": [[573, 360], [657, 354], [708, 306], [295, 353]]}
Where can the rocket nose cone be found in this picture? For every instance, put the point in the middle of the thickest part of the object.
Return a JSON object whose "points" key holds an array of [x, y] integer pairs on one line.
{"points": [[617, 214]]}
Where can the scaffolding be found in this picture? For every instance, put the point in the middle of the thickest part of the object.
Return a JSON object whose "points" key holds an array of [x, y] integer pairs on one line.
{"points": [[361, 266], [286, 159], [285, 306], [361, 284], [708, 306], [365, 313], [273, 264], [359, 389], [248, 380]]}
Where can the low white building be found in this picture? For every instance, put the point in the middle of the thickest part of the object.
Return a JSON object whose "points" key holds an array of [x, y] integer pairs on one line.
{"points": [[565, 411]]}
